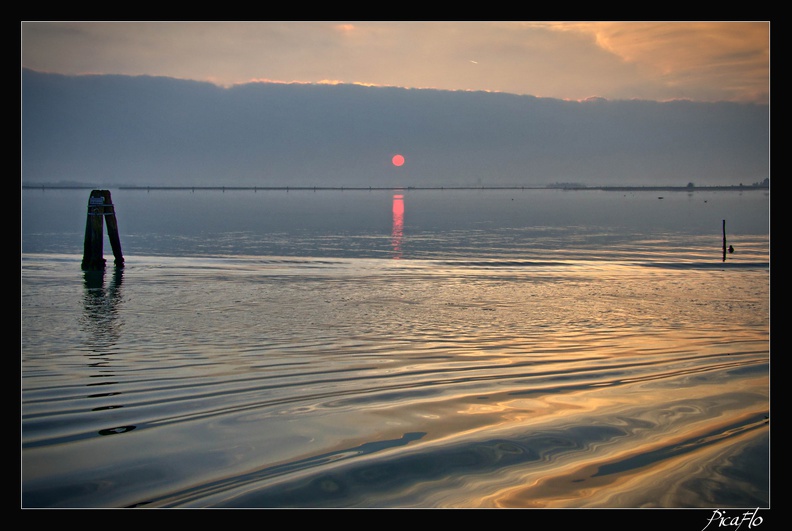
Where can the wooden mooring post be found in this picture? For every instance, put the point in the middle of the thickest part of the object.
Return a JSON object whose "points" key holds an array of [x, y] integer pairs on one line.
{"points": [[730, 249], [100, 207], [724, 240]]}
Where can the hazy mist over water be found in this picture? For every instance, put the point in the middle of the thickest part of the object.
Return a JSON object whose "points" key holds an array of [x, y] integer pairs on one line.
{"points": [[398, 348], [116, 131], [361, 223]]}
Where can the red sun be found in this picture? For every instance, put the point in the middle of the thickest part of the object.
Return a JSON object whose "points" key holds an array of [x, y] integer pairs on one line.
{"points": [[398, 160]]}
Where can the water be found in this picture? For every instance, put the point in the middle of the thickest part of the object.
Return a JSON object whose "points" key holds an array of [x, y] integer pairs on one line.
{"points": [[406, 348]]}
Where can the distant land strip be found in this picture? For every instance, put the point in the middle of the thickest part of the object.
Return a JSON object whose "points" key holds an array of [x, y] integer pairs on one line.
{"points": [[740, 187]]}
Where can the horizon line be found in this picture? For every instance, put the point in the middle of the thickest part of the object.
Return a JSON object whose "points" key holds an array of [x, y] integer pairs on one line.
{"points": [[572, 187]]}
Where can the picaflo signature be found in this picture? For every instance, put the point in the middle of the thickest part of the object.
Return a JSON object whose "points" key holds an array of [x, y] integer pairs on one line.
{"points": [[734, 521]]}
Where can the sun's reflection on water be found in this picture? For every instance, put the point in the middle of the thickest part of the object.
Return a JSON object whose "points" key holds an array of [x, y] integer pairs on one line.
{"points": [[398, 225]]}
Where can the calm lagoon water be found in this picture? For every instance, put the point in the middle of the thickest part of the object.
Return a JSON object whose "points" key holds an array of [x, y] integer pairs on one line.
{"points": [[404, 348]]}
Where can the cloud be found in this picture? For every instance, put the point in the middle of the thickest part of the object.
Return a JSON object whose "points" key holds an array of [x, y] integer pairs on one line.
{"points": [[567, 60], [692, 57], [162, 131]]}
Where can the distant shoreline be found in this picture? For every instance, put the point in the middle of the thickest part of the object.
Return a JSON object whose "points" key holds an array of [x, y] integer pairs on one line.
{"points": [[730, 188]]}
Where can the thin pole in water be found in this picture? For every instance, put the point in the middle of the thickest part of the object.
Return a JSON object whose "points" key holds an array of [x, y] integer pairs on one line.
{"points": [[724, 240]]}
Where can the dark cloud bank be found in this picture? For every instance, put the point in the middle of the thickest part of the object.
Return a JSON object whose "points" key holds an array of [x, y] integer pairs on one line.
{"points": [[154, 131]]}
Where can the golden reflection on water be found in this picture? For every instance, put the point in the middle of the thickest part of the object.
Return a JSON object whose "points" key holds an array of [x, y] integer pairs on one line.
{"points": [[581, 483], [674, 440], [531, 386]]}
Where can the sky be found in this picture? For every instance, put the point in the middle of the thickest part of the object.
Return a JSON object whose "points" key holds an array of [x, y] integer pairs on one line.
{"points": [[331, 103], [701, 61]]}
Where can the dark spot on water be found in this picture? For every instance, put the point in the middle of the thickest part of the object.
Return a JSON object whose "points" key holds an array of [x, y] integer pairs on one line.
{"points": [[101, 395], [114, 431], [139, 504]]}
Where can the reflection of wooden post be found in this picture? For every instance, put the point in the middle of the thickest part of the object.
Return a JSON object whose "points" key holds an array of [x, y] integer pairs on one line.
{"points": [[100, 206]]}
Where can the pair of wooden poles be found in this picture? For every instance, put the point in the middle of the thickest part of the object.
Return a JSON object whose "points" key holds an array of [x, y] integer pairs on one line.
{"points": [[100, 208]]}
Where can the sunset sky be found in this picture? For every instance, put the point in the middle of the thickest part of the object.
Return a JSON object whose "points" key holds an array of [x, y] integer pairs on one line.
{"points": [[703, 61], [464, 103]]}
